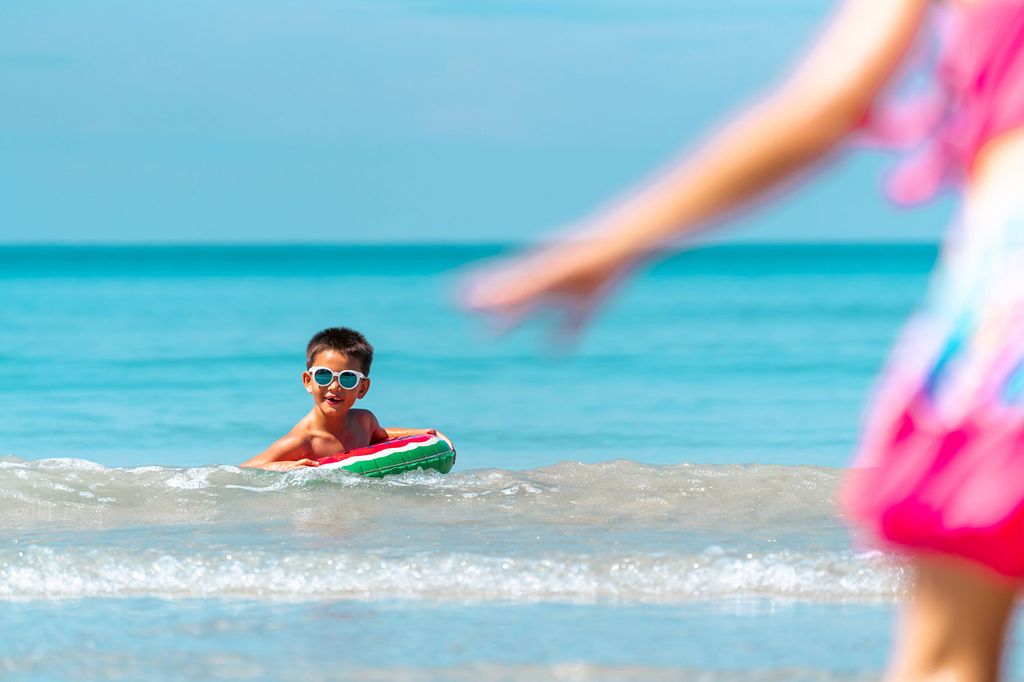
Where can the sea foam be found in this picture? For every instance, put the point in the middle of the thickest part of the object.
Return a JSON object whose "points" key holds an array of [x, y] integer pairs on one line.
{"points": [[610, 532]]}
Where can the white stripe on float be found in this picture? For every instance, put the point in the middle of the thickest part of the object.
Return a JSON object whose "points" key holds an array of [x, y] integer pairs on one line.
{"points": [[383, 453]]}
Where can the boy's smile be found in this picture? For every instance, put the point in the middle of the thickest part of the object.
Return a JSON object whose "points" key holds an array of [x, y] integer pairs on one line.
{"points": [[333, 399]]}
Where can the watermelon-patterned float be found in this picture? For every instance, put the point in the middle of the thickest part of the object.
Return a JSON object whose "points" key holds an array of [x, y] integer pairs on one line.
{"points": [[422, 451]]}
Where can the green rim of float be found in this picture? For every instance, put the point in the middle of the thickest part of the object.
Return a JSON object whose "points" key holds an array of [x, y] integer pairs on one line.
{"points": [[395, 456]]}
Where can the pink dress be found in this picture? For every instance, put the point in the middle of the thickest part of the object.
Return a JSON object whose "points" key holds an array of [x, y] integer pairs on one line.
{"points": [[941, 467]]}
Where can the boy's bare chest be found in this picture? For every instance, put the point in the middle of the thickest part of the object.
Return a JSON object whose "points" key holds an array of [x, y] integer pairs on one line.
{"points": [[325, 444]]}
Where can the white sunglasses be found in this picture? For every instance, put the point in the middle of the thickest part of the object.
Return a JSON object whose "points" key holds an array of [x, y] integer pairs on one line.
{"points": [[347, 378]]}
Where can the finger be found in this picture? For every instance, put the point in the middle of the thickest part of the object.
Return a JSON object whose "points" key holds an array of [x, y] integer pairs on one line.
{"points": [[499, 320], [506, 293], [567, 330], [569, 282], [503, 321], [579, 309]]}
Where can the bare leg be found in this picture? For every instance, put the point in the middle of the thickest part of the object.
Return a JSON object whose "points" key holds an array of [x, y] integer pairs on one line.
{"points": [[954, 625]]}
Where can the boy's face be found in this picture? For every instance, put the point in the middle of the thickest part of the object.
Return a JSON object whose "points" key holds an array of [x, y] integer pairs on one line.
{"points": [[333, 399]]}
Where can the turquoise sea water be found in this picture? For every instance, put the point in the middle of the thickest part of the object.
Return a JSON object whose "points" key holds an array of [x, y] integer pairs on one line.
{"points": [[191, 356], [657, 504]]}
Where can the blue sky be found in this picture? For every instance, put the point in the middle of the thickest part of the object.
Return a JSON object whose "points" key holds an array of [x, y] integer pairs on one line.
{"points": [[416, 120]]}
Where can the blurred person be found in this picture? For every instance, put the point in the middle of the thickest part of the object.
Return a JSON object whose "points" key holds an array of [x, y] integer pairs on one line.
{"points": [[940, 474]]}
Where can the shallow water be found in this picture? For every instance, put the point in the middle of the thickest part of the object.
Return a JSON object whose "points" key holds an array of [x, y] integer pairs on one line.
{"points": [[393, 641]]}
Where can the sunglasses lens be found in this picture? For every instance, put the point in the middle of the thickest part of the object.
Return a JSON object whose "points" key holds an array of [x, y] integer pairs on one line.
{"points": [[348, 379], [323, 377]]}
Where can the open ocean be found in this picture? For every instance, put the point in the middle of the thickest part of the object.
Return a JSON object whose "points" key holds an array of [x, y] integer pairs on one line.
{"points": [[658, 504]]}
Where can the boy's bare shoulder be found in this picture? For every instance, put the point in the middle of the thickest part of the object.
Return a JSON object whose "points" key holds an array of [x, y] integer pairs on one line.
{"points": [[363, 417], [294, 445], [297, 441], [301, 433], [367, 423]]}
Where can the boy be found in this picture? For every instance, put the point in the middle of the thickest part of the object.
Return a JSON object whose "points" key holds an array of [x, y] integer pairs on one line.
{"points": [[337, 364]]}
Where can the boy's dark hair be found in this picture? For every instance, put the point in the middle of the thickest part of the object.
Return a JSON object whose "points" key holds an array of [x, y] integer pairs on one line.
{"points": [[342, 340]]}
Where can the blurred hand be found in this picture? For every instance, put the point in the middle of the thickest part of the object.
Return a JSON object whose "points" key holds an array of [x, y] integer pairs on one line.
{"points": [[570, 277]]}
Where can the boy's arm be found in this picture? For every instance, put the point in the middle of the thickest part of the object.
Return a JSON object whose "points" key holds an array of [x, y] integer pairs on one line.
{"points": [[379, 434], [395, 432], [284, 455]]}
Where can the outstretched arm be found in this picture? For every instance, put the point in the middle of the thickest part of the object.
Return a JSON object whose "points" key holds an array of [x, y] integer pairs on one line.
{"points": [[799, 122]]}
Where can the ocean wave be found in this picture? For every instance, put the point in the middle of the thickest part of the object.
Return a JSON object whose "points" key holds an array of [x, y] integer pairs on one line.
{"points": [[610, 532], [32, 572], [74, 493]]}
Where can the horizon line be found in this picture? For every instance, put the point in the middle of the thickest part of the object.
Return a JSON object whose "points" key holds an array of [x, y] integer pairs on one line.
{"points": [[702, 244]]}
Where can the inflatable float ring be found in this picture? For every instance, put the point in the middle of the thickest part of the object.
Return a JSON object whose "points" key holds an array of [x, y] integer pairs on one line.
{"points": [[422, 451]]}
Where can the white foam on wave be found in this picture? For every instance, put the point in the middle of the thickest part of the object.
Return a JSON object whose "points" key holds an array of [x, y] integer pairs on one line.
{"points": [[42, 572], [190, 479], [69, 463]]}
